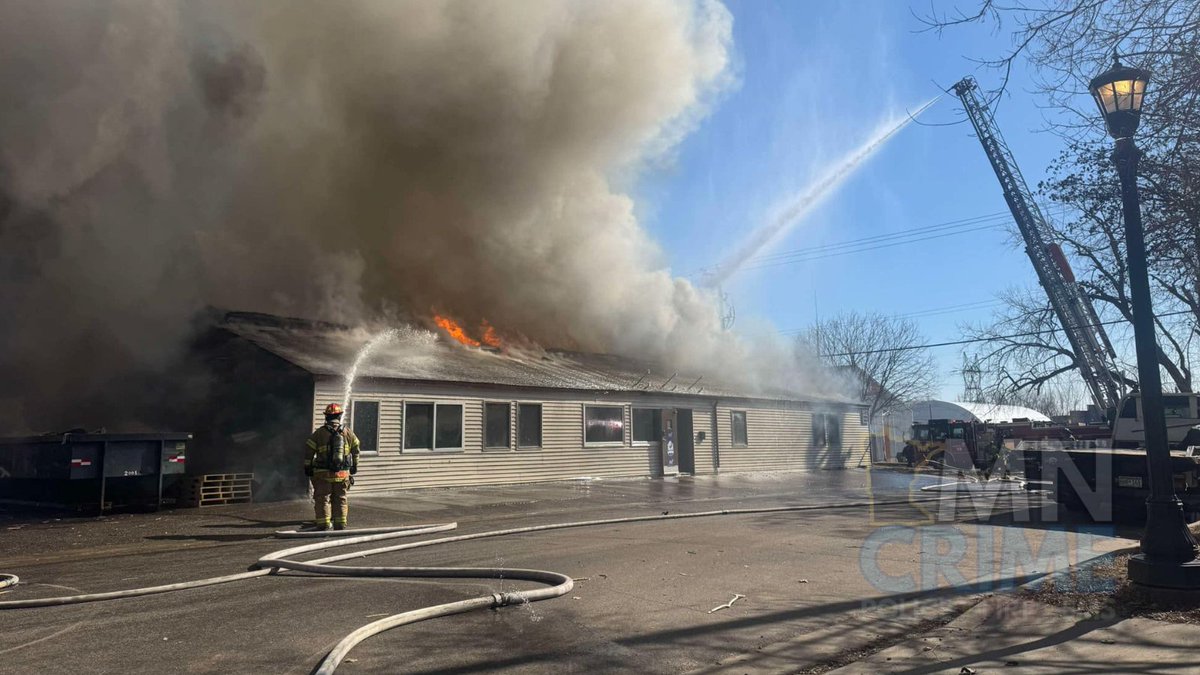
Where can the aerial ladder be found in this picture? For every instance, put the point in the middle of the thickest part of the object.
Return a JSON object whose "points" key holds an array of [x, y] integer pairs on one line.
{"points": [[1094, 354]]}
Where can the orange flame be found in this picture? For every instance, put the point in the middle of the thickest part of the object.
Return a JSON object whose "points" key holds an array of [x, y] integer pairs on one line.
{"points": [[490, 338], [454, 330]]}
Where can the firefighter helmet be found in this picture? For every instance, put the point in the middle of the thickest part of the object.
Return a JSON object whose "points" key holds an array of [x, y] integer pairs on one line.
{"points": [[333, 410]]}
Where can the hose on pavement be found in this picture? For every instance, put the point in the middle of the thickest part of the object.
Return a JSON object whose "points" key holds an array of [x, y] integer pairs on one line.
{"points": [[558, 584]]}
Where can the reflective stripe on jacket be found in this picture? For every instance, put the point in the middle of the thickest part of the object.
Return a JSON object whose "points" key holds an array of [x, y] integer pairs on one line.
{"points": [[326, 459]]}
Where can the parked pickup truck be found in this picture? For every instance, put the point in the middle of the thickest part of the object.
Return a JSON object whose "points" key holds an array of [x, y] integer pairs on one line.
{"points": [[1109, 479], [1106, 483]]}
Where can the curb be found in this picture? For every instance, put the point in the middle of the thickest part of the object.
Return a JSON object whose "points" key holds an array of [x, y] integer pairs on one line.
{"points": [[1034, 584]]}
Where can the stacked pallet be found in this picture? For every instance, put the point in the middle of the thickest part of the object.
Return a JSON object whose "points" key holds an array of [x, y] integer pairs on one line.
{"points": [[214, 489]]}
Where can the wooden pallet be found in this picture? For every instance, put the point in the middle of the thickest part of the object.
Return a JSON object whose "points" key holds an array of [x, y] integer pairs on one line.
{"points": [[215, 489]]}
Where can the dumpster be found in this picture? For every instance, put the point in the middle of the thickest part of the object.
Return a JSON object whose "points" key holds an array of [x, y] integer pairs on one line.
{"points": [[91, 471]]}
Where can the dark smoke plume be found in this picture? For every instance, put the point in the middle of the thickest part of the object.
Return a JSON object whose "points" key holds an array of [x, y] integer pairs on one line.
{"points": [[351, 161]]}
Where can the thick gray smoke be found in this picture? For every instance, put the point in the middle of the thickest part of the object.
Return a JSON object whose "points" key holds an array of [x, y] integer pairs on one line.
{"points": [[338, 160]]}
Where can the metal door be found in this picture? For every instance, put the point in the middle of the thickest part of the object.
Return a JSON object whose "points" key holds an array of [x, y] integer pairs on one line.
{"points": [[685, 443]]}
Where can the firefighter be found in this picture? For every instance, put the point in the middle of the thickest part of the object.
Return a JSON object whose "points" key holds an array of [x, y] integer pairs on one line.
{"points": [[330, 462]]}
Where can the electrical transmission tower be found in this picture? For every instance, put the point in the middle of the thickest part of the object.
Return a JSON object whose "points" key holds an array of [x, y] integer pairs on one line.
{"points": [[728, 314], [972, 380]]}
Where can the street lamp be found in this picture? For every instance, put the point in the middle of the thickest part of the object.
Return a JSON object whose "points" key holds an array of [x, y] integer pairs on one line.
{"points": [[1168, 550]]}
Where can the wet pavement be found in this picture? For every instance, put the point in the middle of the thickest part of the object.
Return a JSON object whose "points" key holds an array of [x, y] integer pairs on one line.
{"points": [[817, 583]]}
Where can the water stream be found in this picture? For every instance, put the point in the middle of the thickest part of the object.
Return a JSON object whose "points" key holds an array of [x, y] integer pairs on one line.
{"points": [[363, 353], [810, 198]]}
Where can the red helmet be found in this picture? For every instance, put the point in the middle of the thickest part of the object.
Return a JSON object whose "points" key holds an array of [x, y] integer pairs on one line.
{"points": [[333, 409]]}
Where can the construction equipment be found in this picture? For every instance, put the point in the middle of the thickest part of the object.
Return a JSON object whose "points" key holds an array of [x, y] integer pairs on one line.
{"points": [[1094, 354], [945, 444], [965, 445]]}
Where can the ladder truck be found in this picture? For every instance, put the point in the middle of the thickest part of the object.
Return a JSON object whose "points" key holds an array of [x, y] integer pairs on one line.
{"points": [[1085, 473], [1094, 354]]}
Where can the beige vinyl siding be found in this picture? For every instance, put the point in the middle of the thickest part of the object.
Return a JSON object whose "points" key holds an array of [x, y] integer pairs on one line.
{"points": [[778, 439], [856, 438], [561, 457], [702, 420]]}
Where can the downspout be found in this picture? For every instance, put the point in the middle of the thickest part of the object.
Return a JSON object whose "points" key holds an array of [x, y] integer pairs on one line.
{"points": [[716, 445]]}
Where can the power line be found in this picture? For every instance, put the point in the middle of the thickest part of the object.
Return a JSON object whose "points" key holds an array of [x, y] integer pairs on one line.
{"points": [[874, 242], [963, 222], [966, 307], [864, 249], [990, 339], [862, 244], [920, 313]]}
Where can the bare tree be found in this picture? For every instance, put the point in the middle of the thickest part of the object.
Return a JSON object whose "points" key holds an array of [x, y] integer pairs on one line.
{"points": [[1065, 43], [1022, 348], [881, 355], [1083, 182], [1057, 397]]}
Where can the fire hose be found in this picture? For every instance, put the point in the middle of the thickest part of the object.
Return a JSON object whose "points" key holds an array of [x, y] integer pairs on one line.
{"points": [[271, 563]]}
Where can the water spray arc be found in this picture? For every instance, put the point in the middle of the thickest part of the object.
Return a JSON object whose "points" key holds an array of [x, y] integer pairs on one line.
{"points": [[363, 353], [809, 199]]}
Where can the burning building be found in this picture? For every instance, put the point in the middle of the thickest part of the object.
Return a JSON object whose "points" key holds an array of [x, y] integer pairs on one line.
{"points": [[434, 410]]}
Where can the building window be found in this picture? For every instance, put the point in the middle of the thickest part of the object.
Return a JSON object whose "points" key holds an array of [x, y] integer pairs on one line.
{"points": [[433, 426], [529, 425], [364, 421], [647, 425], [603, 425], [864, 417], [833, 431], [1177, 407], [418, 426], [740, 439], [447, 424], [826, 431], [497, 427]]}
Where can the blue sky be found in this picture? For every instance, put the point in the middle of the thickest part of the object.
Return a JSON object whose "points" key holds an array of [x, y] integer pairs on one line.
{"points": [[814, 80]]}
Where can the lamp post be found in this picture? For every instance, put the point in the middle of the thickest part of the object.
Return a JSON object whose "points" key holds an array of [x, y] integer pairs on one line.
{"points": [[1168, 550]]}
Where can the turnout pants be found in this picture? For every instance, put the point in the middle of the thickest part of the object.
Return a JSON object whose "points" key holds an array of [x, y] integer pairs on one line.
{"points": [[324, 492]]}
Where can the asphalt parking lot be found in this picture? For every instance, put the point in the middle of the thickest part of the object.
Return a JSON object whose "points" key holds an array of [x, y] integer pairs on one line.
{"points": [[818, 583]]}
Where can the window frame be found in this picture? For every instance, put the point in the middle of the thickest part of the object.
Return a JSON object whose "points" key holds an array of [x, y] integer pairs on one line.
{"points": [[633, 441], [462, 423], [819, 431], [733, 441], [834, 421], [603, 444], [378, 415], [1188, 408], [541, 426], [508, 427]]}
